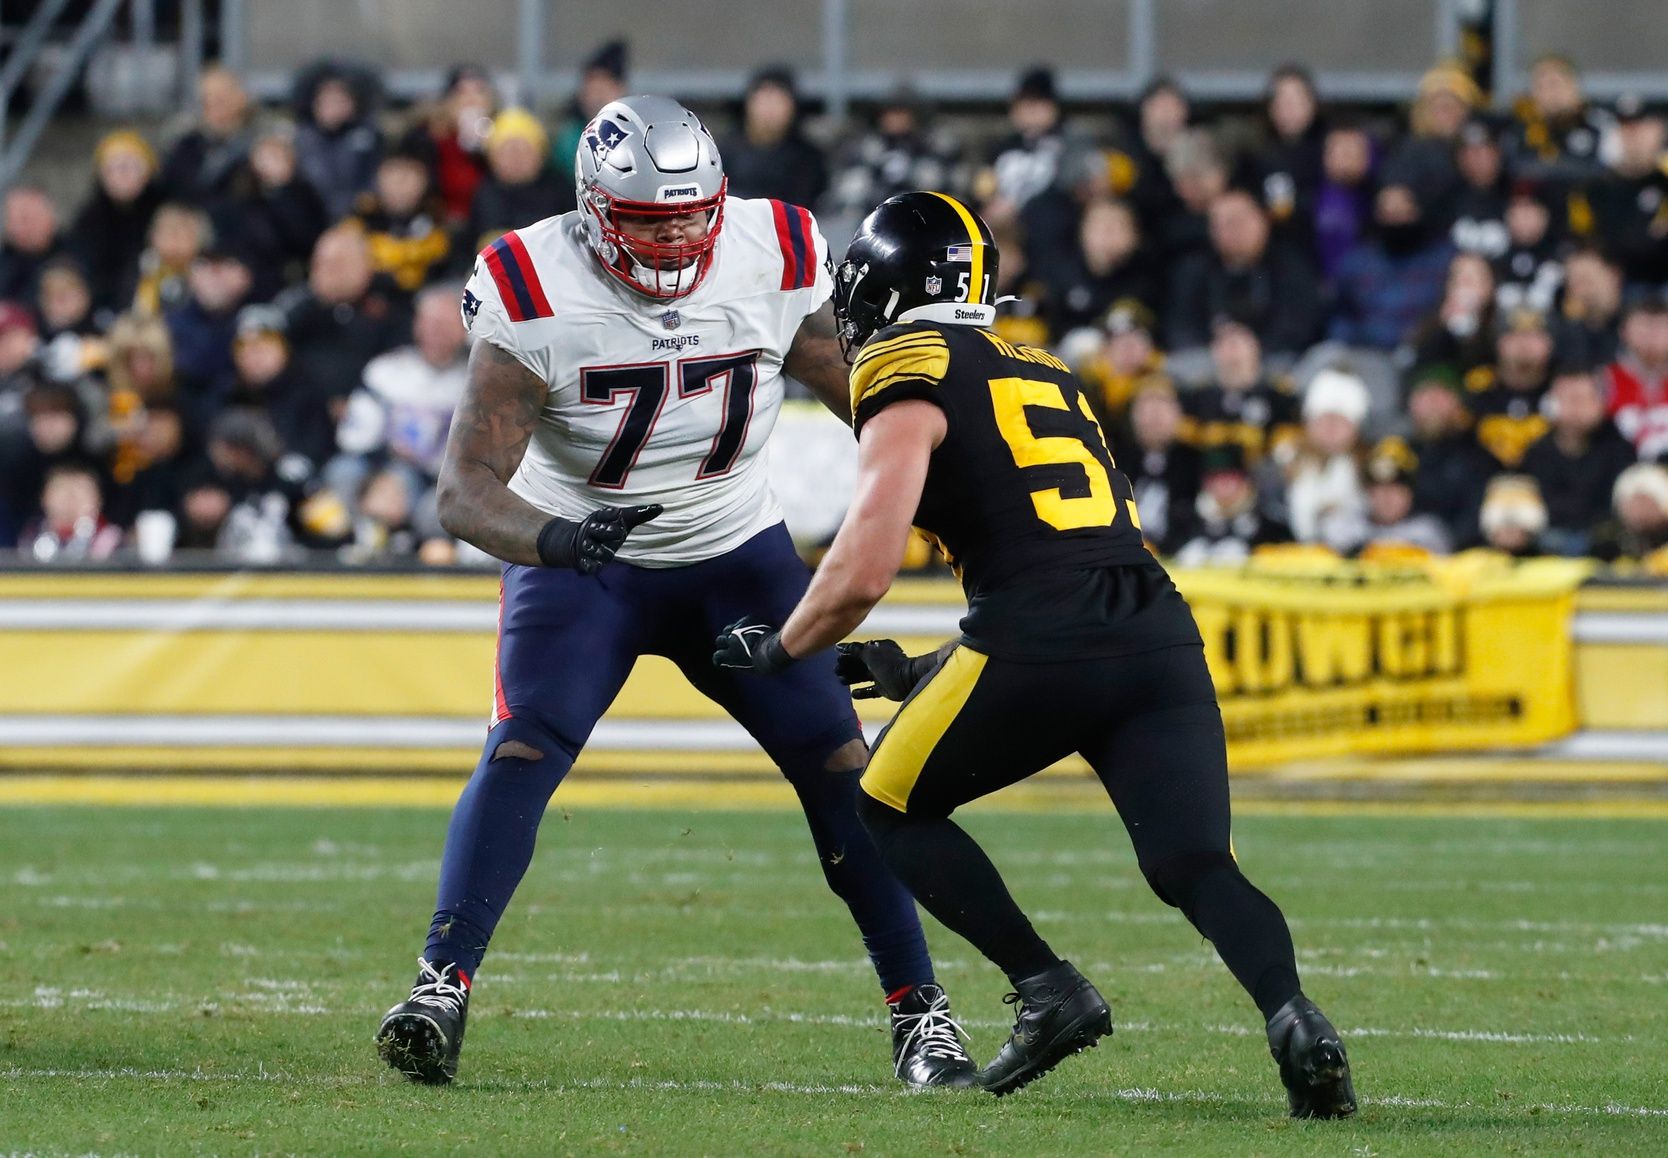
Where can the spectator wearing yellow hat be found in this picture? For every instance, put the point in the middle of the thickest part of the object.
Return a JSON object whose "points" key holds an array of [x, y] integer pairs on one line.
{"points": [[1424, 160], [111, 228], [519, 188]]}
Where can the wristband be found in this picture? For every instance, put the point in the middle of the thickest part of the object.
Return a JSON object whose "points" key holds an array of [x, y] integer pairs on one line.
{"points": [[773, 657], [558, 543]]}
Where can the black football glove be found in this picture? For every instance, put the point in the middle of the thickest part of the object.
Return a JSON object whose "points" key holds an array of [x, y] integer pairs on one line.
{"points": [[884, 666], [750, 644], [586, 546]]}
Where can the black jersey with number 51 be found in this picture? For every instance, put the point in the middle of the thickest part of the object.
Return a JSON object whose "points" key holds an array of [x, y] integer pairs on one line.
{"points": [[1023, 497]]}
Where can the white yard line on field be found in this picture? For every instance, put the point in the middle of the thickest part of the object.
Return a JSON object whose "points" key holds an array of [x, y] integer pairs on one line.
{"points": [[735, 1085], [263, 995]]}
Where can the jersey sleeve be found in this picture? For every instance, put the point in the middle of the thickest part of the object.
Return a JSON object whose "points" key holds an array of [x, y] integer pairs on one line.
{"points": [[898, 363], [822, 277], [485, 316], [807, 271]]}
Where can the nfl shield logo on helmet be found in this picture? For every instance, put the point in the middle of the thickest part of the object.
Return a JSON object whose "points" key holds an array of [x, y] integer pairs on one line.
{"points": [[934, 284], [671, 319]]}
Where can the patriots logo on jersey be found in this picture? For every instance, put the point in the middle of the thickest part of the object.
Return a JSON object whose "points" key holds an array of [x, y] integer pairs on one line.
{"points": [[471, 307], [602, 138]]}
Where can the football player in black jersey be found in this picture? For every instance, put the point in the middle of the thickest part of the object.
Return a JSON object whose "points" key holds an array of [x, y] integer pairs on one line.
{"points": [[1075, 640]]}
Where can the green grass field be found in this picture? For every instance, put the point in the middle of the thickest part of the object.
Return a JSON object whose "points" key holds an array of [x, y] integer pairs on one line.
{"points": [[186, 981]]}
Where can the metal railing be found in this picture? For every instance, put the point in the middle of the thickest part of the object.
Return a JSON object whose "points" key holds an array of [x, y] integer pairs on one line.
{"points": [[29, 48]]}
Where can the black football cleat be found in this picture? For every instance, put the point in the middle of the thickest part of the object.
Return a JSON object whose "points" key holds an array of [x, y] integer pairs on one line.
{"points": [[926, 1041], [421, 1036], [1059, 1014], [1312, 1062]]}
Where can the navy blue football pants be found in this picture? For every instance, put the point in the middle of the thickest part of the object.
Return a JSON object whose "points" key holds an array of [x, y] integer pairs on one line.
{"points": [[567, 642]]}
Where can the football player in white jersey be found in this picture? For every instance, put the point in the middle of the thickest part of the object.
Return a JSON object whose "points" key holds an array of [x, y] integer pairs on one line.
{"points": [[626, 372]]}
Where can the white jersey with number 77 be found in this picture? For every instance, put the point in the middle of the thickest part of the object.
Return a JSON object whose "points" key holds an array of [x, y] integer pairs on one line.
{"points": [[666, 402]]}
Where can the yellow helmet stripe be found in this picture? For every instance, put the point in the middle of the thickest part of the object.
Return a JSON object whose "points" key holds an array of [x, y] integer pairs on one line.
{"points": [[976, 283]]}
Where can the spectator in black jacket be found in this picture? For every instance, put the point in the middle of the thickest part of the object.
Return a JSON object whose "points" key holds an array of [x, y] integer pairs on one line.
{"points": [[203, 165], [336, 139], [1162, 117], [1288, 167], [279, 213], [342, 317], [1592, 310], [1531, 271], [1110, 263], [1452, 467], [161, 458], [50, 430], [1424, 159], [1197, 174], [1480, 202], [1162, 470], [1231, 523], [1577, 462], [1027, 161], [519, 188], [898, 154], [1268, 287], [1629, 200], [31, 239], [1241, 404], [111, 229], [772, 157], [1461, 331], [266, 380], [1557, 136]]}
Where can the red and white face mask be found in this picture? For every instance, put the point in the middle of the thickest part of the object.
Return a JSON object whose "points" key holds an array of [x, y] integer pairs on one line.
{"points": [[658, 269]]}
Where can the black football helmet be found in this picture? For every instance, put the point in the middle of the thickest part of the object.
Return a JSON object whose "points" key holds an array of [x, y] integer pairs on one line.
{"points": [[919, 256]]}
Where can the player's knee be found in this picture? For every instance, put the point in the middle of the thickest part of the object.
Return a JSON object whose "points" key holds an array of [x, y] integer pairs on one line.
{"points": [[852, 756], [519, 739], [1177, 879]]}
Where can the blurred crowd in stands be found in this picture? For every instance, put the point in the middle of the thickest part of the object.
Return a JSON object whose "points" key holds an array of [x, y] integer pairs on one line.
{"points": [[1374, 332]]}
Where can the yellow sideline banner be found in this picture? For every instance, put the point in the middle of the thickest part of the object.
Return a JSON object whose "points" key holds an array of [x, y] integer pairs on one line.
{"points": [[1315, 660], [310, 671]]}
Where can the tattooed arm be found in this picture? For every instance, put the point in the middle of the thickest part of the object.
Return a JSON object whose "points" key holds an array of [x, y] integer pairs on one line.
{"points": [[816, 360], [490, 431]]}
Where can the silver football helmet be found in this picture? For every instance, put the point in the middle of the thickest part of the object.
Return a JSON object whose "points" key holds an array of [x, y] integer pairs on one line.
{"points": [[647, 157]]}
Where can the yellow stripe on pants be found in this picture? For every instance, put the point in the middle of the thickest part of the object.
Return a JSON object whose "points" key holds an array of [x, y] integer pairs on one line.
{"points": [[919, 726]]}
